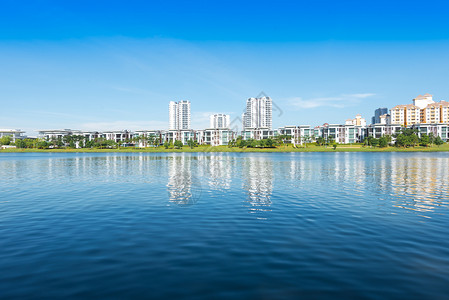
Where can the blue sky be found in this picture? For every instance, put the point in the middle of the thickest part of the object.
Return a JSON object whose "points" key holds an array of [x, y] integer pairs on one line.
{"points": [[116, 64]]}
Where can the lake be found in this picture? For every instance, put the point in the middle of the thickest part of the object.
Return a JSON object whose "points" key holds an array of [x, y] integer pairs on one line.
{"points": [[224, 225]]}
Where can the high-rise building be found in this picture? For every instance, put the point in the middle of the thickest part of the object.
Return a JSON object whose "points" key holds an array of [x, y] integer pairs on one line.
{"points": [[179, 115], [220, 121], [258, 113], [405, 115], [377, 113], [423, 100]]}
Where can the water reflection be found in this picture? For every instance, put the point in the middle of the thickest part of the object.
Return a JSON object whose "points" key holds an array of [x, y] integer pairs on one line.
{"points": [[417, 182], [183, 187], [258, 183], [218, 171], [420, 184]]}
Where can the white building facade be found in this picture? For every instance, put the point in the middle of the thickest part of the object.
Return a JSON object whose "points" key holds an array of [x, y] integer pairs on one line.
{"points": [[258, 113], [13, 133], [179, 115], [220, 121]]}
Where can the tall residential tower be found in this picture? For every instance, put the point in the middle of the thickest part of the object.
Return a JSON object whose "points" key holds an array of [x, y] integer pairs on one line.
{"points": [[220, 121], [179, 115], [258, 113]]}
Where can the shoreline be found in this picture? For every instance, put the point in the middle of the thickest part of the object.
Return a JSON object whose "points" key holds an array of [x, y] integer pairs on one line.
{"points": [[203, 149]]}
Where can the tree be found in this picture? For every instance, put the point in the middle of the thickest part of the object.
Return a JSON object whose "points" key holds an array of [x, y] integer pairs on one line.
{"points": [[305, 139], [178, 144], [241, 142], [383, 141], [334, 145], [269, 143], [319, 141], [67, 140], [368, 141], [424, 140], [5, 140], [20, 144], [191, 143], [41, 144], [375, 142], [438, 141], [432, 138], [407, 137]]}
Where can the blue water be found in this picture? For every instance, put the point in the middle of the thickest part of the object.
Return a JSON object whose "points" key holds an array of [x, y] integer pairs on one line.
{"points": [[241, 226]]}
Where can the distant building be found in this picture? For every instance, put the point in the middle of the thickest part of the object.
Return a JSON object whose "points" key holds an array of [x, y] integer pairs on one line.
{"points": [[258, 113], [358, 121], [13, 133], [54, 134], [384, 119], [377, 113], [118, 136], [220, 121], [179, 115]]}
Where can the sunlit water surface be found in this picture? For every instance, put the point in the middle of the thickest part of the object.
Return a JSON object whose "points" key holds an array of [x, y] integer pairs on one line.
{"points": [[202, 226]]}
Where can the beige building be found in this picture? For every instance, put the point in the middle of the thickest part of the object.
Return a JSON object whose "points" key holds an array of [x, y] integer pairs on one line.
{"points": [[358, 121], [434, 113], [405, 115]]}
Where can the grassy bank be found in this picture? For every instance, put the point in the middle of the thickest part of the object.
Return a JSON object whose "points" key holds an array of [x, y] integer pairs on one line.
{"points": [[309, 148]]}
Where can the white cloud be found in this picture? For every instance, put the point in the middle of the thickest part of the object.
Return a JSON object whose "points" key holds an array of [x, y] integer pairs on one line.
{"points": [[337, 101]]}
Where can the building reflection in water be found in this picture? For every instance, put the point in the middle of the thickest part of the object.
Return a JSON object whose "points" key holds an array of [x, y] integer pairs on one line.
{"points": [[218, 171], [420, 184], [415, 182], [258, 183], [184, 188]]}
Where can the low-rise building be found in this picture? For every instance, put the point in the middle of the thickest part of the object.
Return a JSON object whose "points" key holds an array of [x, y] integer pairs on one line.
{"points": [[379, 130], [216, 136], [56, 134], [257, 133], [118, 136], [148, 137], [179, 135], [15, 134]]}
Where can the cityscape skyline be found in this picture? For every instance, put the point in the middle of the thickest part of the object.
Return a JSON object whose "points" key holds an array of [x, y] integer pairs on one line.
{"points": [[310, 58]]}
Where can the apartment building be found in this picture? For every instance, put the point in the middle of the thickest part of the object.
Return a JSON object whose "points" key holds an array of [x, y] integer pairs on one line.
{"points": [[441, 130], [434, 113], [258, 113], [379, 130], [216, 136], [257, 133], [183, 135], [118, 136], [57, 133], [405, 115], [220, 121], [179, 115], [145, 135], [15, 134], [358, 121], [423, 100], [297, 134]]}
